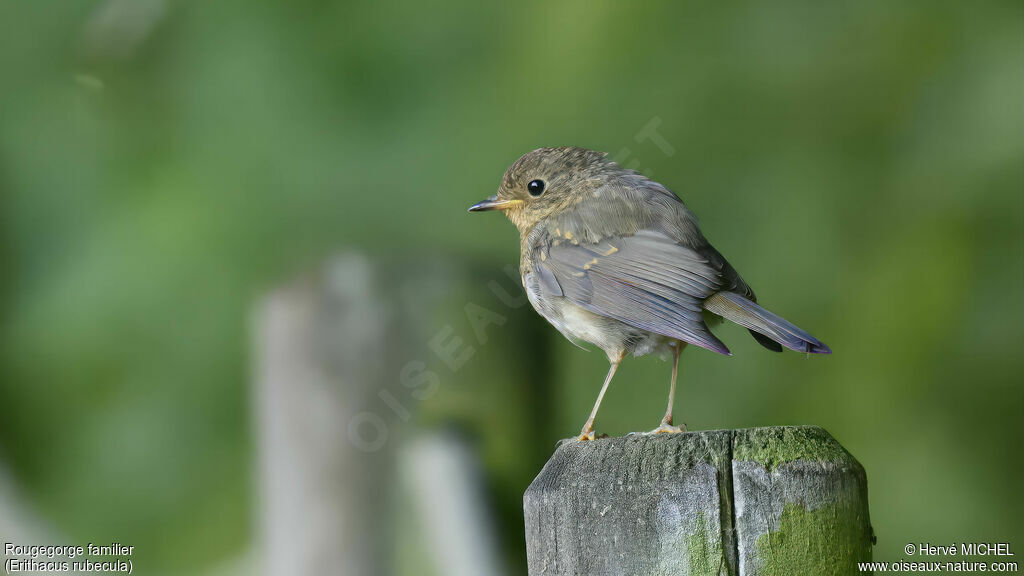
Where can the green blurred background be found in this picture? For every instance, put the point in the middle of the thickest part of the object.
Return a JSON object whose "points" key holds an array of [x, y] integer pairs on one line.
{"points": [[162, 164]]}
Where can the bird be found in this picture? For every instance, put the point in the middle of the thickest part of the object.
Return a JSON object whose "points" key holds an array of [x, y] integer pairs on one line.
{"points": [[614, 259]]}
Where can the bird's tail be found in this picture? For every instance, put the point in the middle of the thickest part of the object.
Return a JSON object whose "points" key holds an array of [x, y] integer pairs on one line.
{"points": [[764, 325]]}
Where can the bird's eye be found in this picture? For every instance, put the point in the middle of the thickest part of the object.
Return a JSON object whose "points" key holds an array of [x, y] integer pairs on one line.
{"points": [[535, 187]]}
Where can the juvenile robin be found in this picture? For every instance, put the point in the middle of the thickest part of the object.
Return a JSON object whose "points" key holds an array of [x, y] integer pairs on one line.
{"points": [[615, 259]]}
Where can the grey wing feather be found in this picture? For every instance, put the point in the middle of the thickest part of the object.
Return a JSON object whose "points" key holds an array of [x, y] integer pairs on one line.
{"points": [[548, 282], [646, 280], [734, 283]]}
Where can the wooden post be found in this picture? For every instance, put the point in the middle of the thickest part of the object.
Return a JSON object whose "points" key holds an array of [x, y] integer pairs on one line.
{"points": [[318, 340], [363, 367], [762, 501]]}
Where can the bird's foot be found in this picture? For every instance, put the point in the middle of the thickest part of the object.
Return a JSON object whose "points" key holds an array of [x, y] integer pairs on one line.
{"points": [[667, 428], [588, 434], [588, 431]]}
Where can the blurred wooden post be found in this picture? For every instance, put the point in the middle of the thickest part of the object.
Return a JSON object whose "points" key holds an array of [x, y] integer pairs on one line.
{"points": [[762, 501], [349, 360], [320, 492], [443, 478]]}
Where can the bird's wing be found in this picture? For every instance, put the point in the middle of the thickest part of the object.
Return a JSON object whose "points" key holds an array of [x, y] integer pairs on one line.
{"points": [[646, 280], [731, 280]]}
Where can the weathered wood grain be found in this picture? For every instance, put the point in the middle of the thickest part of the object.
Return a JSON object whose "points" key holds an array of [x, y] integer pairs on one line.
{"points": [[787, 500]]}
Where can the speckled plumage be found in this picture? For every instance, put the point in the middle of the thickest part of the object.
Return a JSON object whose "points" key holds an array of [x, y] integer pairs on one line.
{"points": [[615, 259]]}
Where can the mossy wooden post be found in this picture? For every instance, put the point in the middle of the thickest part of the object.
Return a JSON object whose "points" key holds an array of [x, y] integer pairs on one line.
{"points": [[761, 501]]}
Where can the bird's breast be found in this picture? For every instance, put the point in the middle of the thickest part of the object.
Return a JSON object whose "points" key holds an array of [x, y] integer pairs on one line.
{"points": [[580, 325]]}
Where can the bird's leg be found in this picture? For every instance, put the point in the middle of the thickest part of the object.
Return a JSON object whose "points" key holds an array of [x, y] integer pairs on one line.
{"points": [[666, 426], [588, 428]]}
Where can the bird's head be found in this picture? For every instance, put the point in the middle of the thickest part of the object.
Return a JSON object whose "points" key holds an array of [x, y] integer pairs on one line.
{"points": [[547, 181]]}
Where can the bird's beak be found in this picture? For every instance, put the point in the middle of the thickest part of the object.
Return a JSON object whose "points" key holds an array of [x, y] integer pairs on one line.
{"points": [[492, 203]]}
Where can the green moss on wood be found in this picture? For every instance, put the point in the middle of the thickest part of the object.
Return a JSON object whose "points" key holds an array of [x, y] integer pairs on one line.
{"points": [[771, 447], [828, 541], [704, 551]]}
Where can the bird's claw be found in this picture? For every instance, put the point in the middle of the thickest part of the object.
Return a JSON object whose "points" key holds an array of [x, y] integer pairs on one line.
{"points": [[590, 435], [667, 428]]}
